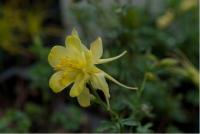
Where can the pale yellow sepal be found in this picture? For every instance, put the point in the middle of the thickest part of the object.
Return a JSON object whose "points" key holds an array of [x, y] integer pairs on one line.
{"points": [[75, 33]]}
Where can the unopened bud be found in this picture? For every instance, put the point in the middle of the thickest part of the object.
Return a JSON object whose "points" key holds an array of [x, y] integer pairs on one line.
{"points": [[193, 74], [168, 62], [150, 76]]}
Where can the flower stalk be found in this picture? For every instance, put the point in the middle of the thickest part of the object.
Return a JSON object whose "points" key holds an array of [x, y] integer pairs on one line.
{"points": [[114, 115]]}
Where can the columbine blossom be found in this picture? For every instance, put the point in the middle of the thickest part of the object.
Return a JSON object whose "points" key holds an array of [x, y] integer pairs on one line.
{"points": [[75, 64]]}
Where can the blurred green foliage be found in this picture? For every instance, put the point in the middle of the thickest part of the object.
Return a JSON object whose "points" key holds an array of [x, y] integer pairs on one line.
{"points": [[162, 62], [71, 122], [14, 121]]}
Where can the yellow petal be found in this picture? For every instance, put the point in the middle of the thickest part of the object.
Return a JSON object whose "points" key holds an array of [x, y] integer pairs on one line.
{"points": [[74, 43], [75, 34], [76, 48], [60, 80], [56, 54], [100, 61], [98, 82], [117, 82], [78, 86], [96, 48], [84, 98]]}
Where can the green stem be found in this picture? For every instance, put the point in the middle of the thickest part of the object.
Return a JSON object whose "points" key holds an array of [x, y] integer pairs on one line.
{"points": [[113, 114], [142, 86]]}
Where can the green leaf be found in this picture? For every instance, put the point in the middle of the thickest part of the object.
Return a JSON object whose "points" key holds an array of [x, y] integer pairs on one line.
{"points": [[129, 122]]}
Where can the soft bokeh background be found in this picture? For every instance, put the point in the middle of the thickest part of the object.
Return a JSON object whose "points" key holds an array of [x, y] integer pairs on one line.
{"points": [[162, 40]]}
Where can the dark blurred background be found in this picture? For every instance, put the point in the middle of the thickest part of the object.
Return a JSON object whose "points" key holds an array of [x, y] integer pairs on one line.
{"points": [[162, 40]]}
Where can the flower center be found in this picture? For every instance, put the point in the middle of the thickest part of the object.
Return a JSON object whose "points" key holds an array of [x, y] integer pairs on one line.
{"points": [[68, 63], [78, 65]]}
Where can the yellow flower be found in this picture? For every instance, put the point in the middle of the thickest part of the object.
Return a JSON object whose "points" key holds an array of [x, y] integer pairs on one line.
{"points": [[75, 64]]}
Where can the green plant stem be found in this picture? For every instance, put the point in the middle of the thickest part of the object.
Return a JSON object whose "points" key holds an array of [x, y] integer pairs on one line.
{"points": [[113, 114], [142, 86]]}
